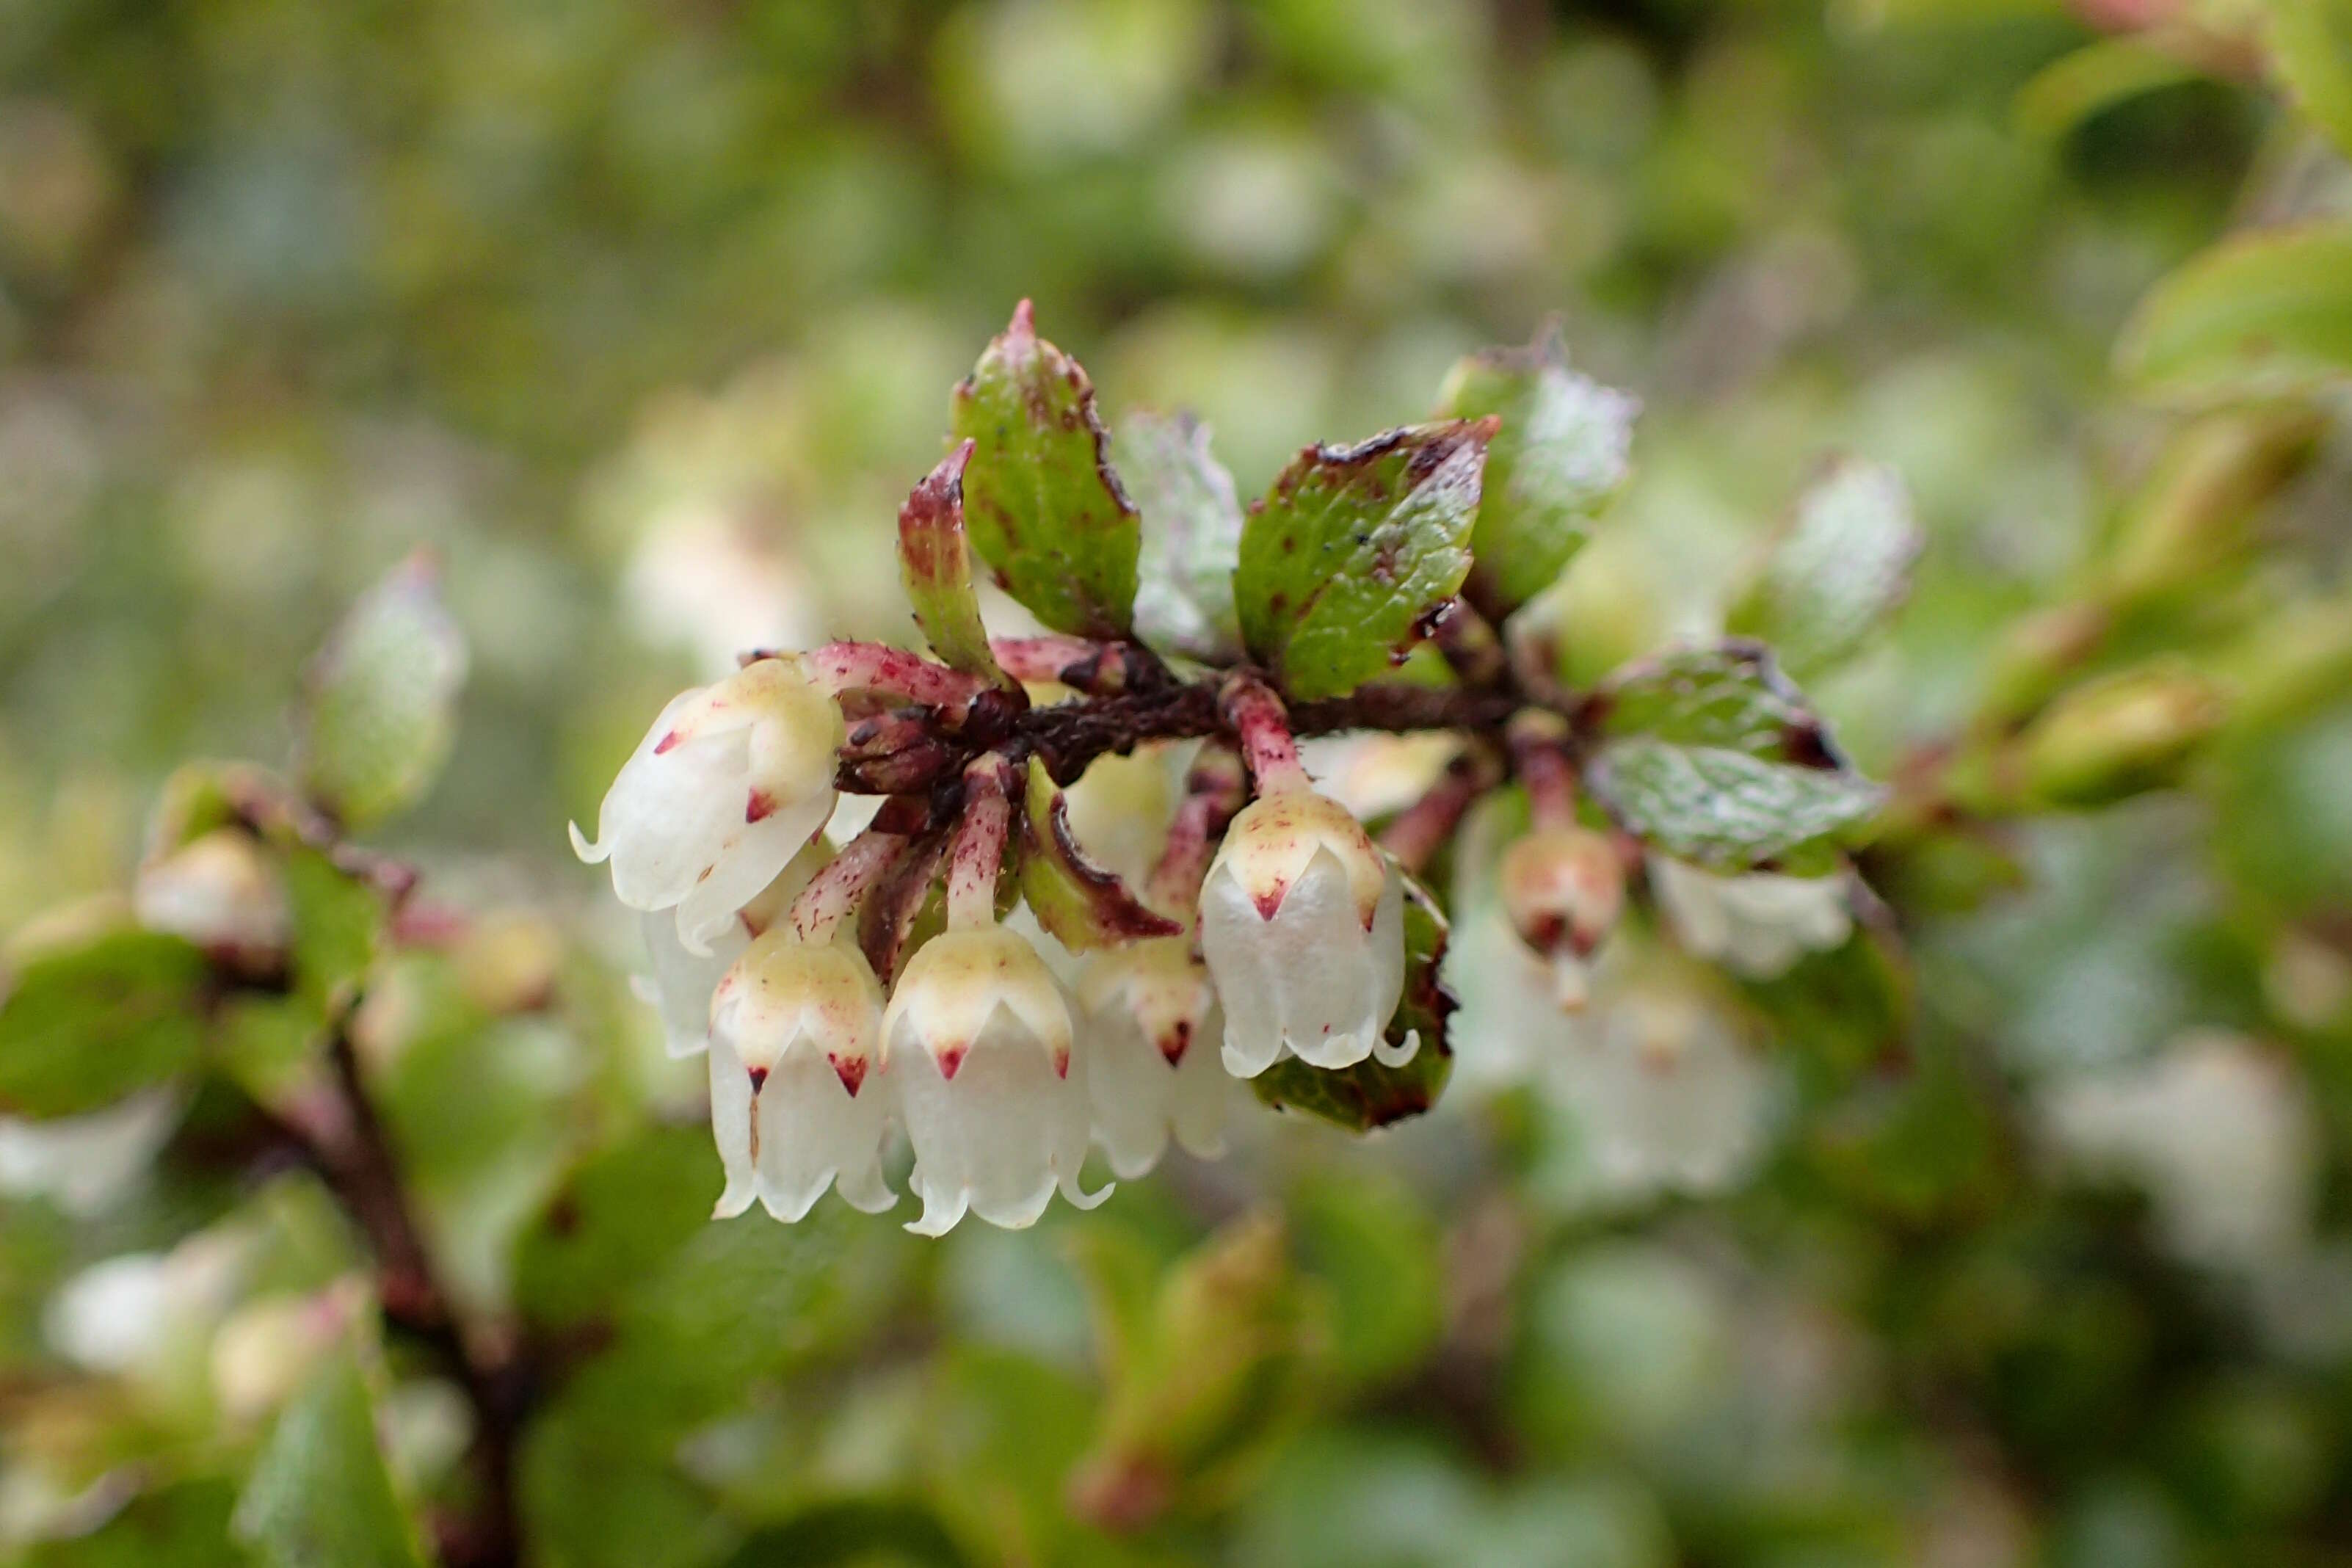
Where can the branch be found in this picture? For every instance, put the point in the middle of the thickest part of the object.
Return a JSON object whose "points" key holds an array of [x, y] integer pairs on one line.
{"points": [[347, 1142]]}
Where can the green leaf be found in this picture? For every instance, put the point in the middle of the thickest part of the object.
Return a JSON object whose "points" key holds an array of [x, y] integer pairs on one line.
{"points": [[381, 711], [2310, 50], [1084, 905], [1191, 535], [935, 566], [2263, 314], [85, 1024], [319, 1496], [2072, 88], [1047, 513], [1839, 569], [619, 1219], [338, 921], [1711, 755], [1370, 1094], [1558, 457], [1356, 547], [1215, 1371]]}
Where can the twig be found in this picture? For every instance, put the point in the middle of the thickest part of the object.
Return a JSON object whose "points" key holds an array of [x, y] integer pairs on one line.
{"points": [[349, 1145]]}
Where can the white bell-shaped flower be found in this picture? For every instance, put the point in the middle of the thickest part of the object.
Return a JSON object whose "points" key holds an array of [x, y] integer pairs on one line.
{"points": [[1150, 1020], [1302, 922], [682, 980], [728, 785], [1757, 925], [1563, 889], [795, 1105], [1665, 1097], [978, 1041]]}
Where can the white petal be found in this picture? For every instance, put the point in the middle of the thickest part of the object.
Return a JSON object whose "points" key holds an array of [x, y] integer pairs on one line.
{"points": [[997, 1137], [1133, 1091], [1231, 935], [730, 1127], [811, 1128], [746, 858], [681, 983]]}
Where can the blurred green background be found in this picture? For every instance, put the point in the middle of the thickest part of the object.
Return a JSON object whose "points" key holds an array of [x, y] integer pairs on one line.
{"points": [[642, 318]]}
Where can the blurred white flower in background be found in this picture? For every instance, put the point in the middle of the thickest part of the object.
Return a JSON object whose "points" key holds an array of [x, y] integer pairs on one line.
{"points": [[143, 1312], [84, 1164], [707, 580], [1665, 1097], [1376, 776], [2220, 1134], [1759, 925]]}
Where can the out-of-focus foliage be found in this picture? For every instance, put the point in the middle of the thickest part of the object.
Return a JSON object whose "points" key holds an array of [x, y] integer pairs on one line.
{"points": [[2022, 1238]]}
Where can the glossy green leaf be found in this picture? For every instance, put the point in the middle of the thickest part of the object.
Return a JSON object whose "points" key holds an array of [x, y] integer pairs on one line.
{"points": [[1045, 509], [1711, 755], [1558, 457], [381, 711], [935, 566], [1084, 905], [1838, 570], [84, 1024], [319, 1496], [2265, 313], [1345, 560], [2311, 51], [1372, 1094], [1191, 535]]}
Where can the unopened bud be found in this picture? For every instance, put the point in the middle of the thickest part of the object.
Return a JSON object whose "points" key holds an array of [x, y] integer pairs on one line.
{"points": [[1563, 889], [2120, 736], [2193, 516]]}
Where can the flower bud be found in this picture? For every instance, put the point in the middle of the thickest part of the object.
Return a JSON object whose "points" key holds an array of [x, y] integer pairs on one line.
{"points": [[1757, 925], [1302, 924], [977, 1039], [1150, 1014], [220, 892], [1563, 889], [795, 1105], [726, 787], [2118, 736]]}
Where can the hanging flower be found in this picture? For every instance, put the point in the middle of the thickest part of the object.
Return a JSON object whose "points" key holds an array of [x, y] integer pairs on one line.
{"points": [[1302, 924], [1150, 1014], [795, 1105], [1757, 925], [1563, 889], [682, 980], [977, 1039], [1664, 1094], [728, 785]]}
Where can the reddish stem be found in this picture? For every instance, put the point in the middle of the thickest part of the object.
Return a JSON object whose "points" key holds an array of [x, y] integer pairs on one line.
{"points": [[1540, 760], [834, 894], [877, 667], [1422, 828], [978, 853], [1213, 792], [1262, 725]]}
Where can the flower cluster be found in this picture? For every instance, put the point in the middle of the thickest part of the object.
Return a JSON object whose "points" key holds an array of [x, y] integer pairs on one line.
{"points": [[963, 972], [768, 949]]}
